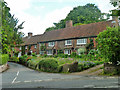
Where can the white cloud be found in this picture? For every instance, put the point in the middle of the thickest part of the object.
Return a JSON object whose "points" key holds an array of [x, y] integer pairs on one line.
{"points": [[106, 6]]}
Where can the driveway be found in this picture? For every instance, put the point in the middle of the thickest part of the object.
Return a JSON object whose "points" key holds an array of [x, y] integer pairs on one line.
{"points": [[19, 76]]}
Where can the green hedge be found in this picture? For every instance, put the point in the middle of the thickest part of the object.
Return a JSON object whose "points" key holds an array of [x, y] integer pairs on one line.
{"points": [[14, 59], [5, 58], [48, 65]]}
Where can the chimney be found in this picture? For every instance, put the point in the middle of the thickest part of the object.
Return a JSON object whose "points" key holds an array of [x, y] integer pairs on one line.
{"points": [[69, 23], [30, 34]]}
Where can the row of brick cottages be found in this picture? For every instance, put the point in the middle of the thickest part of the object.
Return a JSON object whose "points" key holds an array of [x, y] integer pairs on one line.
{"points": [[69, 39]]}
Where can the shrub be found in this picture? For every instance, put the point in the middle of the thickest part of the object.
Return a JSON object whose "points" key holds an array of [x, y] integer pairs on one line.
{"points": [[74, 54], [5, 58], [108, 43], [63, 55], [14, 59], [48, 65], [23, 59], [33, 54]]}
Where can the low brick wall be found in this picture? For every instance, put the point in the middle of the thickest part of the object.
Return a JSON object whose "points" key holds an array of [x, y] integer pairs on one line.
{"points": [[3, 67], [109, 68]]}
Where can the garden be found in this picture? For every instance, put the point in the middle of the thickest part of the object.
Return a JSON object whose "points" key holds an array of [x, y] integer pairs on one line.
{"points": [[61, 63]]}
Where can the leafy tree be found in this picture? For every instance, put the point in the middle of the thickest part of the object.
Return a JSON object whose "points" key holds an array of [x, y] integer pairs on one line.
{"points": [[9, 28], [81, 15], [108, 43]]}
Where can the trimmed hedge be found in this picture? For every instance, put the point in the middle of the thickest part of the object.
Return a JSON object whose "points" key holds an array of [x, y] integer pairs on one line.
{"points": [[5, 58], [48, 65]]}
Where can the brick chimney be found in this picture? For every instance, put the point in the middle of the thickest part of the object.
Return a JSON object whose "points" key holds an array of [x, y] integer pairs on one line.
{"points": [[30, 34], [69, 23]]}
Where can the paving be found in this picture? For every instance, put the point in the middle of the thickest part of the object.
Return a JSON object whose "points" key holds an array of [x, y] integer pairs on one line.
{"points": [[92, 71]]}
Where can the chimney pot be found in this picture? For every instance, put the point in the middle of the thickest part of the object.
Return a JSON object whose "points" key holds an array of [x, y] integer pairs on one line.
{"points": [[30, 34]]}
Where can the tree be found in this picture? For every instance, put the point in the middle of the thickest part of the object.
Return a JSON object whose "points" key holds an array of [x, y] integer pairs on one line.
{"points": [[9, 28], [108, 43], [81, 15]]}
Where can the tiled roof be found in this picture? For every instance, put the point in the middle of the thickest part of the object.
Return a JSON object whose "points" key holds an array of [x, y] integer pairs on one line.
{"points": [[87, 30], [31, 40]]}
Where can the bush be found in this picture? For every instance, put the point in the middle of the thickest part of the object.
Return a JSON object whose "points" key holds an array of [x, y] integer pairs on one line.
{"points": [[74, 54], [33, 54], [5, 58], [48, 65], [108, 43], [23, 59], [14, 59], [63, 55]]}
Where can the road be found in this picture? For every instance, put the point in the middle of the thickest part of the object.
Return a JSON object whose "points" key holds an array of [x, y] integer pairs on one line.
{"points": [[19, 76]]}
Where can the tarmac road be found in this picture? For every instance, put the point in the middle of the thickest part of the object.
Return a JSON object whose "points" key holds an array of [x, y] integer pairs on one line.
{"points": [[19, 76]]}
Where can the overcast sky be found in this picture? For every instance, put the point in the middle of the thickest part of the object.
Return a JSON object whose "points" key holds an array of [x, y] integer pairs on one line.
{"points": [[41, 14]]}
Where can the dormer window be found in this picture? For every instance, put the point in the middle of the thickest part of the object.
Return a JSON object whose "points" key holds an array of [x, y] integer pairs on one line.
{"points": [[81, 41], [51, 44], [68, 42]]}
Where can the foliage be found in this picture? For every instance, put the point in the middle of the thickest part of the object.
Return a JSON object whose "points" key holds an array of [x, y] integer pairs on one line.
{"points": [[90, 45], [23, 59], [33, 54], [9, 29], [14, 59], [4, 59], [81, 51], [108, 43], [114, 2], [81, 15], [73, 55], [63, 55], [49, 65]]}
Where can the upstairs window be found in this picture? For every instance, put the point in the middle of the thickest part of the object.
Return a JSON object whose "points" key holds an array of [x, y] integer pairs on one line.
{"points": [[51, 44], [68, 42], [81, 41]]}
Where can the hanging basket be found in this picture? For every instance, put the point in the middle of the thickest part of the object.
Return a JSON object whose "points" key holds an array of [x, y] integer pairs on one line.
{"points": [[115, 13]]}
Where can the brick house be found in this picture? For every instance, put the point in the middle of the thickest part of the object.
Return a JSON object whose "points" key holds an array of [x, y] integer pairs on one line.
{"points": [[69, 39]]}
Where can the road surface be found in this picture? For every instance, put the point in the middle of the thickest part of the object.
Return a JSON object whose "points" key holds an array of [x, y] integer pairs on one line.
{"points": [[19, 76]]}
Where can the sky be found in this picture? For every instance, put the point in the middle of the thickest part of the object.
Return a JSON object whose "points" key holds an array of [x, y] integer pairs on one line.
{"points": [[41, 14]]}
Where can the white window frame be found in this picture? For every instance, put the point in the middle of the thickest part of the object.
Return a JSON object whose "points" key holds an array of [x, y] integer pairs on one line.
{"points": [[51, 44], [49, 52], [67, 51], [81, 41], [35, 46], [68, 42]]}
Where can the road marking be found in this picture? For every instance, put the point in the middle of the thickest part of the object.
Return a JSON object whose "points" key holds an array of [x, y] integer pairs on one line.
{"points": [[27, 81], [37, 80], [17, 73], [14, 79]]}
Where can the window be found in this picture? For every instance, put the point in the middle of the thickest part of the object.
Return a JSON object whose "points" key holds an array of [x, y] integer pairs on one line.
{"points": [[81, 41], [25, 47], [35, 46], [68, 42], [51, 43], [49, 52], [67, 51]]}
